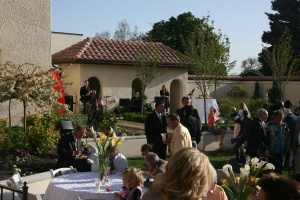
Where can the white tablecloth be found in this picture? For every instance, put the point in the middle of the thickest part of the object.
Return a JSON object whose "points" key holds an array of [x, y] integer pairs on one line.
{"points": [[72, 186], [199, 105]]}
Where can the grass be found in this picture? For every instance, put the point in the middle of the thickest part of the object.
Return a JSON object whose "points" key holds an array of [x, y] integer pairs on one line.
{"points": [[217, 158]]}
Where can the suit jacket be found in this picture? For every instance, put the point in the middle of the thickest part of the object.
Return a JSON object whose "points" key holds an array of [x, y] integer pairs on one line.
{"points": [[257, 139], [83, 92], [195, 114], [295, 142], [153, 129]]}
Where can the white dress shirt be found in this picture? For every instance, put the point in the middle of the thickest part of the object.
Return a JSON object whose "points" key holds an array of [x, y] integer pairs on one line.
{"points": [[120, 163]]}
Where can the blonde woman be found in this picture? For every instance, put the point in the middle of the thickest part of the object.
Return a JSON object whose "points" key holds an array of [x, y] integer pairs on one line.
{"points": [[165, 94], [189, 175], [212, 123], [240, 118]]}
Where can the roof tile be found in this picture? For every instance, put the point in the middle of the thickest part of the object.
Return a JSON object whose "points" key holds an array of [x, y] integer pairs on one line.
{"points": [[106, 50]]}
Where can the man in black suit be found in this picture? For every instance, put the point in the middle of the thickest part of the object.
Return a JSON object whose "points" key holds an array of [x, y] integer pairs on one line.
{"points": [[186, 101], [69, 149], [155, 124], [85, 93], [257, 140]]}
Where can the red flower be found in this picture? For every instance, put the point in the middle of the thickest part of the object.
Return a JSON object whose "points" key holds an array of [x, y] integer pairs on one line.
{"points": [[108, 189]]}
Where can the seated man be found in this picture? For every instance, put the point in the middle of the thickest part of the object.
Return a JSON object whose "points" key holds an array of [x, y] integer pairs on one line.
{"points": [[69, 151], [117, 162], [156, 165]]}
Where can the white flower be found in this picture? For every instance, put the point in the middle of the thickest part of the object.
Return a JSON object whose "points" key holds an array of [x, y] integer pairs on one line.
{"points": [[260, 164], [227, 169], [244, 172], [93, 132], [254, 161], [269, 166], [247, 167]]}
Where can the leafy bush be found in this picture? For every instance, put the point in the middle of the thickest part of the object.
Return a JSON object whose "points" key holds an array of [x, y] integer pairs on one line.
{"points": [[136, 117], [256, 104], [3, 135], [13, 137], [40, 132], [108, 119], [225, 107], [76, 119], [237, 92]]}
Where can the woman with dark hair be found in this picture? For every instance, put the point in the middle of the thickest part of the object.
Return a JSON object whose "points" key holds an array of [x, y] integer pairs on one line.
{"points": [[276, 187]]}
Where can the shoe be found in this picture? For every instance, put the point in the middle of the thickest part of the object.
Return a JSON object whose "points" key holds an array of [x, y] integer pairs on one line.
{"points": [[222, 147]]}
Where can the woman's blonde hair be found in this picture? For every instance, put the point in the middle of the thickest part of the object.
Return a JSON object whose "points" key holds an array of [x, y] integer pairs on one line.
{"points": [[162, 88], [139, 175], [124, 174], [243, 106], [211, 109], [189, 175]]}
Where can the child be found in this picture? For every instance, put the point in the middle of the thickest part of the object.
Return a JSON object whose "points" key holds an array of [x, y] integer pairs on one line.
{"points": [[135, 180], [125, 185], [145, 149]]}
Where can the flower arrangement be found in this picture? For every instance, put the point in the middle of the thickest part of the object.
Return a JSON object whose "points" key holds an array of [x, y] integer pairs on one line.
{"points": [[243, 186], [105, 144]]}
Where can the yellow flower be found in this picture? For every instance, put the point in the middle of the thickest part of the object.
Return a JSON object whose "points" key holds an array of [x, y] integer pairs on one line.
{"points": [[113, 141], [119, 143], [85, 144], [256, 180], [101, 134], [224, 182], [98, 139], [237, 179]]}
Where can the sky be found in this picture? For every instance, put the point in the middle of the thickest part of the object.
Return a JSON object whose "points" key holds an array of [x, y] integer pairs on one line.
{"points": [[242, 21]]}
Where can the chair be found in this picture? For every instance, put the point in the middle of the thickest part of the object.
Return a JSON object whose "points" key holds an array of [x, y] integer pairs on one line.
{"points": [[19, 196], [62, 171], [16, 180]]}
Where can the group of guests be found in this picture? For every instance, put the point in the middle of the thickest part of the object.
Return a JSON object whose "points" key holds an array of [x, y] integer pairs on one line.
{"points": [[186, 126], [271, 138]]}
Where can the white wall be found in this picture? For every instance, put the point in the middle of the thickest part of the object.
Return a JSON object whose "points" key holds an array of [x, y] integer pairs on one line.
{"points": [[25, 36], [61, 41]]}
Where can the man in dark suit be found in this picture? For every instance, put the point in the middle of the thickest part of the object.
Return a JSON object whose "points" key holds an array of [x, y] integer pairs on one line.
{"points": [[155, 125], [186, 101], [257, 140], [85, 93], [69, 151]]}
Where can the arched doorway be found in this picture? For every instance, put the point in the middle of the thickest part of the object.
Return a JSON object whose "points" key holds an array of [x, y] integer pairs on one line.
{"points": [[175, 95], [94, 84], [136, 86]]}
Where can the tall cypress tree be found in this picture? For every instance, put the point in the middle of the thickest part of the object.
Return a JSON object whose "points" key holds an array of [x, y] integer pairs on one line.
{"points": [[256, 94], [287, 15]]}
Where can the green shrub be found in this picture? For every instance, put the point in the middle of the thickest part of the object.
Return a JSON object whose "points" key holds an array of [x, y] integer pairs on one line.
{"points": [[274, 93], [256, 94], [108, 119], [40, 132], [12, 137], [256, 104], [237, 92], [76, 119], [136, 117]]}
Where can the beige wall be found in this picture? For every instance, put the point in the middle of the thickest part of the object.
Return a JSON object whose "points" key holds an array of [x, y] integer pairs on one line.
{"points": [[291, 90], [25, 36], [60, 41], [116, 80]]}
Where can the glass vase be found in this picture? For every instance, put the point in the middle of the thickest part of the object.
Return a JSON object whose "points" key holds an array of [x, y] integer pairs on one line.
{"points": [[102, 168]]}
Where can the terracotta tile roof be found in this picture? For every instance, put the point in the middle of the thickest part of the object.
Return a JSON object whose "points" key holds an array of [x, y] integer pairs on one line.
{"points": [[247, 78], [99, 50]]}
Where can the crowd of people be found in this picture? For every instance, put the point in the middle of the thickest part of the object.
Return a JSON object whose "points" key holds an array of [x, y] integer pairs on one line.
{"points": [[273, 136]]}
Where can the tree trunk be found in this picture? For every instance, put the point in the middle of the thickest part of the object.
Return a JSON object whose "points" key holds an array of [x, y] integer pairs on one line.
{"points": [[215, 94], [9, 113], [143, 92], [24, 105], [204, 98]]}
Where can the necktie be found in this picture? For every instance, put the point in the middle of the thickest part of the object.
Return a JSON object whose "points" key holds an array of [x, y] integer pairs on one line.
{"points": [[112, 166], [76, 144], [159, 117], [264, 125]]}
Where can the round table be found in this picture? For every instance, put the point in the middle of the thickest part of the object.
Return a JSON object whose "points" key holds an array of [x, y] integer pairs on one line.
{"points": [[72, 186]]}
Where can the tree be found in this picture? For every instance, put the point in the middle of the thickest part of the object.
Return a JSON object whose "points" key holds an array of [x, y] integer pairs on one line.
{"points": [[207, 55], [237, 92], [250, 64], [287, 15], [256, 94], [146, 62], [29, 83], [171, 32], [104, 34], [123, 32], [281, 61]]}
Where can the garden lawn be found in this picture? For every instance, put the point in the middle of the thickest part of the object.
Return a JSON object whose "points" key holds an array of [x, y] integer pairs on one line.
{"points": [[217, 158]]}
